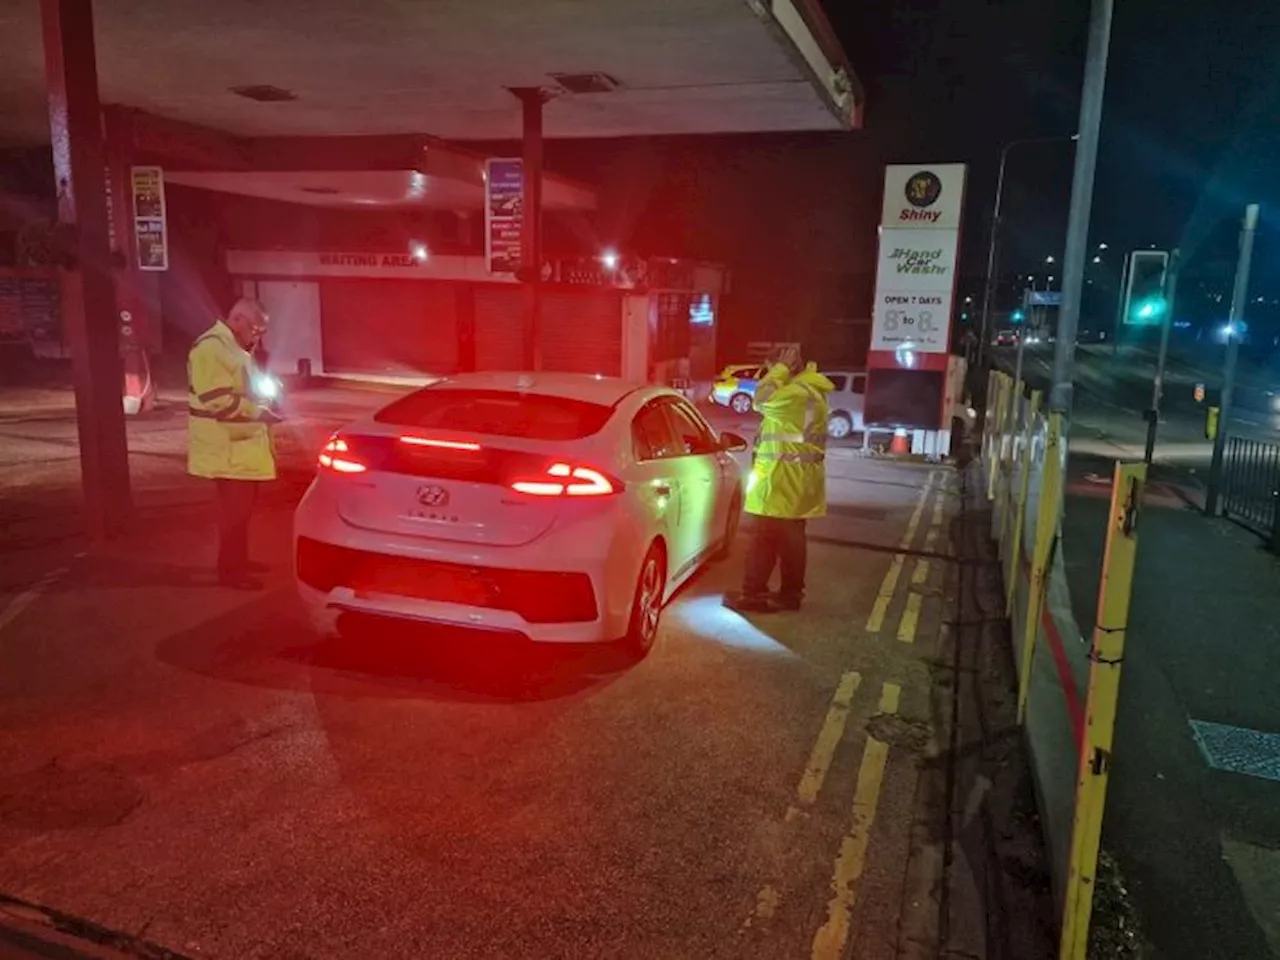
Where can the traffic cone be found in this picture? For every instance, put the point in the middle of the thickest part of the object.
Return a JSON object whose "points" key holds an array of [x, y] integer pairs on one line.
{"points": [[899, 443], [139, 390]]}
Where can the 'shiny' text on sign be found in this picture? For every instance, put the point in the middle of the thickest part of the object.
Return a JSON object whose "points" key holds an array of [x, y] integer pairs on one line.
{"points": [[919, 216]]}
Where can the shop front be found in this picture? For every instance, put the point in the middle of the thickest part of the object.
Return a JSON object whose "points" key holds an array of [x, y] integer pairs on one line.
{"points": [[380, 315]]}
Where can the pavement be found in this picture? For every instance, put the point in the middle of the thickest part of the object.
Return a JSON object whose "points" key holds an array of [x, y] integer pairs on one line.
{"points": [[194, 771], [1193, 815]]}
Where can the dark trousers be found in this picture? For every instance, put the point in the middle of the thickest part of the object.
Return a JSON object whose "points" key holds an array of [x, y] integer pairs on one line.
{"points": [[235, 505], [776, 540]]}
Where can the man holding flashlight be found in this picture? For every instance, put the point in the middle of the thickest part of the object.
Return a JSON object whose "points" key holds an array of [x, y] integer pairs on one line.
{"points": [[787, 483], [229, 432]]}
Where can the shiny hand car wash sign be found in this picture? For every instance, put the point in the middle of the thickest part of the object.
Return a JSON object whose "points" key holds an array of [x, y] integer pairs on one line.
{"points": [[919, 243]]}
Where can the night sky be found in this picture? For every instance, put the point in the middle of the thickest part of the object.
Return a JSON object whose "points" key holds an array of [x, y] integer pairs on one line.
{"points": [[1189, 136], [1189, 130]]}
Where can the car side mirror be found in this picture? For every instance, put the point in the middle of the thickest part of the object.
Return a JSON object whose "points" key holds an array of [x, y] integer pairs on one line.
{"points": [[732, 442]]}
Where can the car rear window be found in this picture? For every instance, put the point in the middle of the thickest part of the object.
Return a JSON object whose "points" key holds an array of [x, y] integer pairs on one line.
{"points": [[500, 413]]}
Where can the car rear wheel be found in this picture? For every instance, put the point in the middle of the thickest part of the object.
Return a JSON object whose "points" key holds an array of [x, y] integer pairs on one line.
{"points": [[740, 403], [326, 624], [646, 606], [839, 426]]}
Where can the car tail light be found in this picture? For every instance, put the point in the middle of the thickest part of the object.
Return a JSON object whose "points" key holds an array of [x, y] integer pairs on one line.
{"points": [[336, 456], [439, 444], [564, 480]]}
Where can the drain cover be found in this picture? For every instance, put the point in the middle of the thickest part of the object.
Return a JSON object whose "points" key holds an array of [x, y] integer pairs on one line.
{"points": [[1239, 749], [856, 511]]}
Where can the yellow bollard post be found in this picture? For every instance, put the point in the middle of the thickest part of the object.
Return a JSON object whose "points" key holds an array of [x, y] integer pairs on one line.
{"points": [[988, 412], [1017, 404], [1006, 415], [995, 426], [1106, 656], [1046, 532], [1020, 504], [989, 423], [1012, 396]]}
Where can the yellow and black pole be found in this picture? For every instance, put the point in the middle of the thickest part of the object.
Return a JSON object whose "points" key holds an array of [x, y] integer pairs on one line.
{"points": [[1013, 412], [1106, 657], [1020, 504], [996, 426], [1046, 531], [988, 420]]}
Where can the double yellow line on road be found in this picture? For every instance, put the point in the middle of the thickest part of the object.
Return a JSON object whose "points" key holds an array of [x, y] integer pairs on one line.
{"points": [[830, 940], [824, 748], [852, 858], [910, 620]]}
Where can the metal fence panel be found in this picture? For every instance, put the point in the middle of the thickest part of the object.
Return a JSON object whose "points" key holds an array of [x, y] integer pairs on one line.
{"points": [[1251, 483]]}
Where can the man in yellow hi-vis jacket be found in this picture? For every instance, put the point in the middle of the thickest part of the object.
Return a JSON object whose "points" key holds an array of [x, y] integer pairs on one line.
{"points": [[787, 484], [229, 437]]}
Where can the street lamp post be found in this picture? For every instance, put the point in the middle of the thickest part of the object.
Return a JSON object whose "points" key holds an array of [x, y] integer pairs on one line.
{"points": [[1157, 382], [1239, 295], [993, 240], [1064, 353]]}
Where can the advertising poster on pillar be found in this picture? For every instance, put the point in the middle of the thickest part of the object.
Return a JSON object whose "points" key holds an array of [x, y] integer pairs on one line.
{"points": [[915, 281], [149, 228], [503, 214]]}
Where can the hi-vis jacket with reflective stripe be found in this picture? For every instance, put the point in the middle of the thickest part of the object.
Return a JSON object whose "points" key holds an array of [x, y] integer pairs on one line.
{"points": [[788, 475], [226, 436]]}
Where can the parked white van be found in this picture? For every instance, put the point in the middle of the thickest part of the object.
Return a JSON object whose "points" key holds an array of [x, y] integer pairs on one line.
{"points": [[845, 402]]}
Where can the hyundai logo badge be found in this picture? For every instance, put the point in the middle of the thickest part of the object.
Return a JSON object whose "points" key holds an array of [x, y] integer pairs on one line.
{"points": [[433, 495]]}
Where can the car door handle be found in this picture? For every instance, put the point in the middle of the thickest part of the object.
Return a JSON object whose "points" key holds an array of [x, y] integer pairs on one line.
{"points": [[662, 489]]}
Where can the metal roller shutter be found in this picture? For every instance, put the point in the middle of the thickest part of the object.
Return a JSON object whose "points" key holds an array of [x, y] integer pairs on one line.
{"points": [[581, 331], [389, 326], [499, 327]]}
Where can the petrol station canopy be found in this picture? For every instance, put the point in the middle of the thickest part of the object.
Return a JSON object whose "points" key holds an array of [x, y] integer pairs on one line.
{"points": [[444, 68], [370, 103]]}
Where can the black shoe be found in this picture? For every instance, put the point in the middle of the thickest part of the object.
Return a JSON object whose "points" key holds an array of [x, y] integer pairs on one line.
{"points": [[240, 582], [789, 604], [749, 604]]}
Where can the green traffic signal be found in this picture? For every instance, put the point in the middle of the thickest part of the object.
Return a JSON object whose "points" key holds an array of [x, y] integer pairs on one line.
{"points": [[1151, 308], [1144, 300], [1017, 316]]}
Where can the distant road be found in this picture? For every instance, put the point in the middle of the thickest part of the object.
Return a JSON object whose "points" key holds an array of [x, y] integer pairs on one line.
{"points": [[1111, 393]]}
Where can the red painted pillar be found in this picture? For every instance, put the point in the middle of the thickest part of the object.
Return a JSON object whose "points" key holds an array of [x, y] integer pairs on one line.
{"points": [[532, 99], [79, 168]]}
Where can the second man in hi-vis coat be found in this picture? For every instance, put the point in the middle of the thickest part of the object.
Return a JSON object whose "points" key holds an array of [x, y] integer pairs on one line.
{"points": [[787, 484]]}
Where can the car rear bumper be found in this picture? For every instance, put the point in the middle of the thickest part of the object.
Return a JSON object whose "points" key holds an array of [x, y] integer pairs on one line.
{"points": [[538, 596], [345, 600], [547, 591]]}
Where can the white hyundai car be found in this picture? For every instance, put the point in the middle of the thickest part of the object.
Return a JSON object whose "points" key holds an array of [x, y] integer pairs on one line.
{"points": [[559, 507]]}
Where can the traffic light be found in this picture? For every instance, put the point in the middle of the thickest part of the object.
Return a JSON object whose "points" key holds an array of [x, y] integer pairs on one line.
{"points": [[1144, 302], [1017, 316]]}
